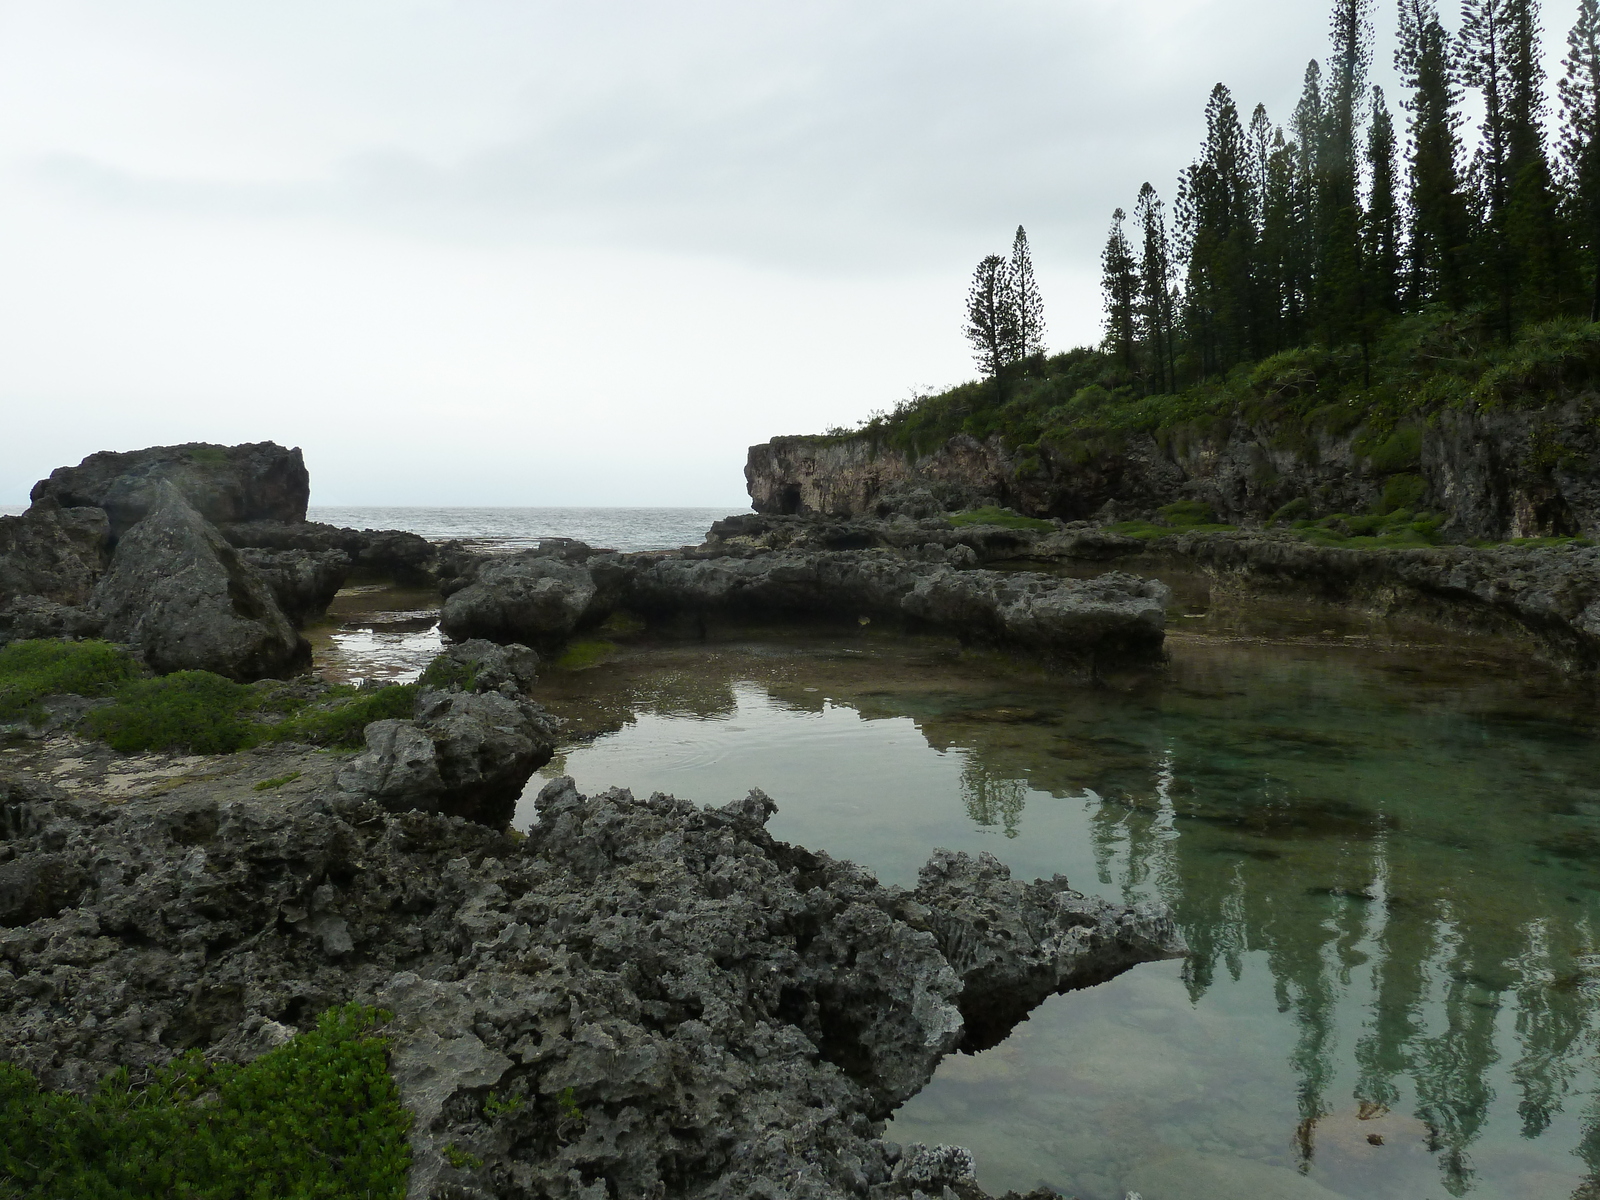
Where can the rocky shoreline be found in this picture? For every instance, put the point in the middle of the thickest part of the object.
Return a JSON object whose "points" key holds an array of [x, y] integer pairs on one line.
{"points": [[728, 1015]]}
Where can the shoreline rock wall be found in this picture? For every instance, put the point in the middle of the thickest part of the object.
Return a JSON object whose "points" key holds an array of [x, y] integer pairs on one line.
{"points": [[1499, 474]]}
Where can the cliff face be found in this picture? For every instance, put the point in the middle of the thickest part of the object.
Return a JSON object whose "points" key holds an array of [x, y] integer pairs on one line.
{"points": [[1500, 474]]}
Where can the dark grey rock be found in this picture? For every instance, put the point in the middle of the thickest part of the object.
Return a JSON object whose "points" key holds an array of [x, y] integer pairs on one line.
{"points": [[53, 552], [733, 1015], [180, 594], [28, 617], [1086, 622], [252, 482], [407, 558], [511, 669], [538, 599], [399, 767], [304, 582]]}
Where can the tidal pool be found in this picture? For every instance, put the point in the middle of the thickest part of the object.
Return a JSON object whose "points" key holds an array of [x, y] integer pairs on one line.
{"points": [[1385, 857]]}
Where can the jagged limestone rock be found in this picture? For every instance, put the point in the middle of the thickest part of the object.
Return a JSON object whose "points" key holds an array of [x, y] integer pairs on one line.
{"points": [[180, 594]]}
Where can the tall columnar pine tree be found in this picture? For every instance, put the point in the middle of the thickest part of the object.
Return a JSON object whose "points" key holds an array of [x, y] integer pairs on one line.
{"points": [[1280, 258], [992, 320], [1119, 278], [1026, 303], [1157, 304], [1543, 271], [1486, 66], [1308, 127], [1438, 229], [1580, 139], [1341, 292], [1215, 207], [1381, 240]]}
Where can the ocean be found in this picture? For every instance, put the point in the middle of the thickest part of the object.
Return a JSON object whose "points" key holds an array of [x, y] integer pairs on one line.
{"points": [[516, 528]]}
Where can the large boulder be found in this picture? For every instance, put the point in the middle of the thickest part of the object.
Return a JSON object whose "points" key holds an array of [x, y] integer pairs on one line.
{"points": [[54, 553], [253, 482], [535, 598], [473, 744], [179, 593]]}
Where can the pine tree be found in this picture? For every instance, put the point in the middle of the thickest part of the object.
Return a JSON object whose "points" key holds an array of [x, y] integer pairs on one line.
{"points": [[1438, 233], [1119, 277], [1347, 84], [1156, 302], [1580, 136], [1025, 300], [991, 319], [1485, 65], [1215, 204], [1309, 128], [1542, 273], [1276, 261], [1382, 233]]}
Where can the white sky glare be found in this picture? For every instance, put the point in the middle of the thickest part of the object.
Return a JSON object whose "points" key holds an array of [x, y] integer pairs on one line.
{"points": [[526, 252]]}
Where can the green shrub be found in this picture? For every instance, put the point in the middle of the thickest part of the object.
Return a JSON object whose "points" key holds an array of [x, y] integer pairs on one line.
{"points": [[316, 1119], [194, 711], [444, 673], [340, 721], [1401, 450], [1188, 512], [1296, 509], [32, 670], [993, 515], [1402, 492]]}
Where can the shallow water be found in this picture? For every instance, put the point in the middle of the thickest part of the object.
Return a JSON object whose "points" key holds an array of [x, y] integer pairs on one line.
{"points": [[1386, 860]]}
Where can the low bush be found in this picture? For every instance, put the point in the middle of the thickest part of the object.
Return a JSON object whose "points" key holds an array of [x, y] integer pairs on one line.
{"points": [[194, 711], [201, 713], [319, 1118], [32, 670], [993, 515]]}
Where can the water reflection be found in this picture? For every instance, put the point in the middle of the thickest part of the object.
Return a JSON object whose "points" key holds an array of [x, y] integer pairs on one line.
{"points": [[1387, 871]]}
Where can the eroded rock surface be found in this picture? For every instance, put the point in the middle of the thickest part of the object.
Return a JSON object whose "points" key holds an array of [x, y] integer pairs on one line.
{"points": [[538, 597], [54, 553], [251, 482], [188, 602], [641, 998]]}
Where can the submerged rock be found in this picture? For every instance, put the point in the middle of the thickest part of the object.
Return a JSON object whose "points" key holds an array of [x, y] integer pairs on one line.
{"points": [[640, 998], [251, 482], [179, 593]]}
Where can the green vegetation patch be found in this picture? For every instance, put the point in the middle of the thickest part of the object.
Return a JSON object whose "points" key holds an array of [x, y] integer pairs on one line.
{"points": [[444, 673], [277, 781], [1184, 516], [1004, 517], [340, 719], [316, 1119], [32, 670], [194, 711], [585, 652], [1393, 530], [202, 713]]}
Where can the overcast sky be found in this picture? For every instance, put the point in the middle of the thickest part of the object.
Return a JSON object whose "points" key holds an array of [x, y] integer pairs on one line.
{"points": [[518, 252]]}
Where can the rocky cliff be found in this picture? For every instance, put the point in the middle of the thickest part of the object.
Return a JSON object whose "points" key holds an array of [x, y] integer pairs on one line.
{"points": [[1495, 474]]}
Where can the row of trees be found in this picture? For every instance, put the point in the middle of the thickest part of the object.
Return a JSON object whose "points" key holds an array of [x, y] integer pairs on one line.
{"points": [[1005, 316], [1321, 231]]}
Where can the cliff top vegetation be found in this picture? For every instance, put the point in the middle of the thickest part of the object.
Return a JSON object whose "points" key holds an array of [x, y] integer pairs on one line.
{"points": [[1324, 275]]}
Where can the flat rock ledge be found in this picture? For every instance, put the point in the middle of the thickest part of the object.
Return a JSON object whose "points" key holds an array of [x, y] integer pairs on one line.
{"points": [[662, 999]]}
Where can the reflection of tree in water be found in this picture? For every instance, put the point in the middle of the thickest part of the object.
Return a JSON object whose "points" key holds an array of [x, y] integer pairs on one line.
{"points": [[1452, 980], [992, 799]]}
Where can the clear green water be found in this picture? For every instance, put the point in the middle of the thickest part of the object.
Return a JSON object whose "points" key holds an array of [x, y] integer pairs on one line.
{"points": [[1385, 858]]}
